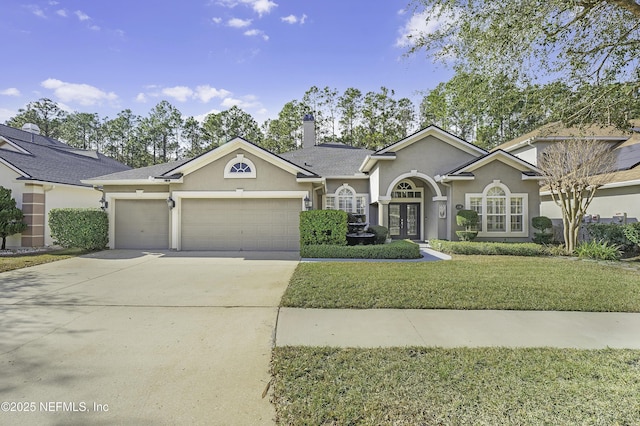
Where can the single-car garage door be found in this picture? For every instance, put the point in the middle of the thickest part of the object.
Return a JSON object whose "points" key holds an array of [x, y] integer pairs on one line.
{"points": [[141, 224], [240, 224]]}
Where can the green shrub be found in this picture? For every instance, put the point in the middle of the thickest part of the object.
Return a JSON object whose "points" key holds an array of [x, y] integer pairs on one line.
{"points": [[468, 219], [79, 228], [612, 233], [381, 233], [486, 248], [632, 232], [401, 249], [600, 250], [542, 224], [323, 227]]}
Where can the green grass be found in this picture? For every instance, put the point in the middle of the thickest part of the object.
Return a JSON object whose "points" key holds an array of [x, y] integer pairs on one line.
{"points": [[485, 386], [467, 282], [9, 263]]}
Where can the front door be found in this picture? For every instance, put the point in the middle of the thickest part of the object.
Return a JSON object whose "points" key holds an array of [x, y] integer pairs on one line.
{"points": [[404, 220]]}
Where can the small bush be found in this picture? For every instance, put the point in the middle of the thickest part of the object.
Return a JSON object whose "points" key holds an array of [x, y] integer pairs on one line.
{"points": [[468, 219], [395, 250], [599, 250], [79, 228], [612, 233], [323, 227], [381, 233], [541, 223], [467, 235], [485, 248]]}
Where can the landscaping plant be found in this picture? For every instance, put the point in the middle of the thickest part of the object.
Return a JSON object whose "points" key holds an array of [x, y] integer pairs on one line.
{"points": [[468, 219], [10, 216], [79, 228], [542, 224], [599, 250]]}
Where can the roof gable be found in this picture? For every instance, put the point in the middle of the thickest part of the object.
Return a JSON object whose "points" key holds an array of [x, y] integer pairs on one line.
{"points": [[465, 172], [234, 144]]}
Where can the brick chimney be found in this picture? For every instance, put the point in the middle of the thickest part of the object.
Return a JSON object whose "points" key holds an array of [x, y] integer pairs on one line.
{"points": [[308, 131]]}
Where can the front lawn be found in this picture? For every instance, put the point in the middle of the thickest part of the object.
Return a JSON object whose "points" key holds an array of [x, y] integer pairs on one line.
{"points": [[18, 261], [467, 282], [408, 386]]}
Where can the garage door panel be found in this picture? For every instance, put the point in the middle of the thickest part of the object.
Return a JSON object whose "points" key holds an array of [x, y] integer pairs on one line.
{"points": [[245, 224], [141, 224]]}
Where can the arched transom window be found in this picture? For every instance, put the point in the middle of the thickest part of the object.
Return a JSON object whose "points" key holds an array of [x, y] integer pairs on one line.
{"points": [[406, 189], [240, 168], [346, 199], [500, 211]]}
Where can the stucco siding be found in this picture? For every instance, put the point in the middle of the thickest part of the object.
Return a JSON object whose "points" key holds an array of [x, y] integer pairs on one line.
{"points": [[361, 186], [268, 177], [507, 175], [607, 203], [68, 197]]}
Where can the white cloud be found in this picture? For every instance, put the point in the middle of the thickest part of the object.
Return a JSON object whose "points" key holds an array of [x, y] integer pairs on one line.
{"points": [[36, 10], [206, 93], [216, 20], [259, 6], [423, 23], [293, 19], [142, 98], [81, 15], [239, 23], [179, 93], [246, 102], [83, 94], [62, 13], [254, 32], [201, 117], [11, 91]]}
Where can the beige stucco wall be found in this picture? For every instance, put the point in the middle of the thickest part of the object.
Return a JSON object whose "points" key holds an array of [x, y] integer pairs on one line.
{"points": [[268, 177], [507, 175], [607, 203], [134, 188], [361, 186]]}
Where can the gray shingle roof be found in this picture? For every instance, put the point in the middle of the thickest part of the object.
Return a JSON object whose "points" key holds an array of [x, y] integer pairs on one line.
{"points": [[144, 172], [50, 160], [329, 159]]}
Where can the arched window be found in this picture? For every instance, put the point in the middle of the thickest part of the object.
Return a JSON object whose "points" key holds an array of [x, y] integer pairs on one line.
{"points": [[345, 198], [499, 211], [240, 168], [406, 189]]}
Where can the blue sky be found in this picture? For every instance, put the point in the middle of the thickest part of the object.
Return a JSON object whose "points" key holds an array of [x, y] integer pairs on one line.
{"points": [[204, 55]]}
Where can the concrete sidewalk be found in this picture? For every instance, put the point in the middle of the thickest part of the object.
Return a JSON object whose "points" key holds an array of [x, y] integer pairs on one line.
{"points": [[453, 328]]}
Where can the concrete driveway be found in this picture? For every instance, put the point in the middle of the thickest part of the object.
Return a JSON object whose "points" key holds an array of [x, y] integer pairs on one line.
{"points": [[124, 337]]}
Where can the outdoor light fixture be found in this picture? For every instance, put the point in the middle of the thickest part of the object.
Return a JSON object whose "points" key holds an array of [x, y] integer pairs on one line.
{"points": [[104, 204], [307, 203], [171, 203]]}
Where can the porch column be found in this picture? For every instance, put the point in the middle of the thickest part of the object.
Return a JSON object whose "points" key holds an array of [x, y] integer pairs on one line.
{"points": [[383, 211], [33, 203]]}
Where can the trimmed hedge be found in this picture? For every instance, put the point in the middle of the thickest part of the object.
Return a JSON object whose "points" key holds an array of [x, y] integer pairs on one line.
{"points": [[381, 233], [402, 249], [484, 248], [79, 228], [323, 227]]}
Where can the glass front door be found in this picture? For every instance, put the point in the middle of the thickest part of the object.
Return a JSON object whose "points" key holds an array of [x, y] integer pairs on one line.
{"points": [[404, 220]]}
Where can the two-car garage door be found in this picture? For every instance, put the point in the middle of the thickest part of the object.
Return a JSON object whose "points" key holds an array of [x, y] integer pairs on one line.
{"points": [[240, 224], [210, 224]]}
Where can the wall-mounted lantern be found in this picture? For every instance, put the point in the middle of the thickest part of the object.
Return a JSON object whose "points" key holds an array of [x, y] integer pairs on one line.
{"points": [[171, 203], [307, 203], [104, 204]]}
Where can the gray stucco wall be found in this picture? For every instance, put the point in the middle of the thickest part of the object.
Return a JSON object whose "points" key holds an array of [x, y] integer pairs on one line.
{"points": [[430, 156]]}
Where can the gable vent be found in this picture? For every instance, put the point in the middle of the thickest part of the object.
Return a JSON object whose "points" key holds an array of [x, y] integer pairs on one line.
{"points": [[31, 128]]}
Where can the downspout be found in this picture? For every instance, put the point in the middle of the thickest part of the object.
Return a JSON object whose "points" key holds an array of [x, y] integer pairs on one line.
{"points": [[449, 207]]}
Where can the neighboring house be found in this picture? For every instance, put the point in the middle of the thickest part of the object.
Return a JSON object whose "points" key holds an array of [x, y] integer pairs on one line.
{"points": [[43, 174], [617, 199], [240, 196]]}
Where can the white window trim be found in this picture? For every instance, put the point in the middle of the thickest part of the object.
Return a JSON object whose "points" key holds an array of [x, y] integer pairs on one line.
{"points": [[354, 200], [240, 158], [509, 195], [414, 188]]}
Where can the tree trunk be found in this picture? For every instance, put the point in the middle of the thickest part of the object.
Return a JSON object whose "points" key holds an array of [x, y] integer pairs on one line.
{"points": [[4, 243]]}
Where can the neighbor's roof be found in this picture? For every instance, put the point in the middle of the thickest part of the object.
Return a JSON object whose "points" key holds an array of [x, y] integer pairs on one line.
{"points": [[157, 170], [558, 131], [44, 159], [329, 159]]}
